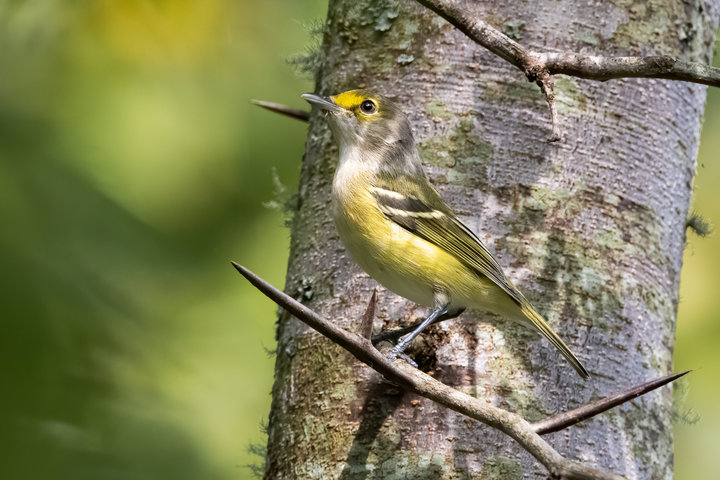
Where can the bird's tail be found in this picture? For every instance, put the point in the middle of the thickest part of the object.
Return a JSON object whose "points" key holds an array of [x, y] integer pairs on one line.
{"points": [[545, 329]]}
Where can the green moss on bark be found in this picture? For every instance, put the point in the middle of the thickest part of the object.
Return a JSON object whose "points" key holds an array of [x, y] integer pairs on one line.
{"points": [[501, 468], [463, 153]]}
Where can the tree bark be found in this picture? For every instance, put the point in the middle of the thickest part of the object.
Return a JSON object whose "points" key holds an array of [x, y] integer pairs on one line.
{"points": [[591, 229]]}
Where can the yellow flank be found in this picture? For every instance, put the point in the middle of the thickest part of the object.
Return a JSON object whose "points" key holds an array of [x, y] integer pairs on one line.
{"points": [[403, 262]]}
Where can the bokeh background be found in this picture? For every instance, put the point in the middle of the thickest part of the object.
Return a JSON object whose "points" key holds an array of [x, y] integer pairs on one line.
{"points": [[132, 169]]}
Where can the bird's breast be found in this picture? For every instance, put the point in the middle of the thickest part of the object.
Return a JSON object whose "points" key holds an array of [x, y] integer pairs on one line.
{"points": [[398, 259]]}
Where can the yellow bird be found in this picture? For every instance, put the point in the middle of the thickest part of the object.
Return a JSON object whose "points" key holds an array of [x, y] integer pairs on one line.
{"points": [[399, 230]]}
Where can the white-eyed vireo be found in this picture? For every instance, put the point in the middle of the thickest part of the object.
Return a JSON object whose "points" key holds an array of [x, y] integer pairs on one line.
{"points": [[401, 232]]}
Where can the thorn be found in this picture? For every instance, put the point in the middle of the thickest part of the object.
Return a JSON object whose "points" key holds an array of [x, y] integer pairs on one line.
{"points": [[282, 109], [368, 317], [567, 419], [239, 267], [403, 356], [547, 86]]}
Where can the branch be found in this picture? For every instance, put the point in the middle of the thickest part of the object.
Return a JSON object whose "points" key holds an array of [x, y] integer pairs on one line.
{"points": [[402, 374], [570, 63], [539, 66], [607, 68], [569, 418], [283, 109]]}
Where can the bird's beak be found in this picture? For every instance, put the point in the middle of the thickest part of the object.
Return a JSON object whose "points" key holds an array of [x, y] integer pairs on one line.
{"points": [[324, 103]]}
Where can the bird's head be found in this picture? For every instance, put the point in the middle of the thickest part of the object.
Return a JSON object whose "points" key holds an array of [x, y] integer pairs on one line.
{"points": [[364, 119]]}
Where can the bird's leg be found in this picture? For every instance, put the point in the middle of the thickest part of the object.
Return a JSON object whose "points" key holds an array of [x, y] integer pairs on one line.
{"points": [[436, 315], [395, 333]]}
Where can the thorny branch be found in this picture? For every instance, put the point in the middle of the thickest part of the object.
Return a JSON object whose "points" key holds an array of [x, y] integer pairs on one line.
{"points": [[400, 373], [539, 66], [283, 109], [567, 419]]}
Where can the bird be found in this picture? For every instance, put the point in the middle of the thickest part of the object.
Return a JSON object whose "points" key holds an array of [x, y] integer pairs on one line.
{"points": [[399, 230]]}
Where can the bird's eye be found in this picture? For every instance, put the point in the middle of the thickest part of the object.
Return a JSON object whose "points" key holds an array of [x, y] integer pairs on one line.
{"points": [[368, 106]]}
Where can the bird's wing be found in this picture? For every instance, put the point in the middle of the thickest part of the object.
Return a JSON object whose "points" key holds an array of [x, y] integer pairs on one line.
{"points": [[416, 206], [426, 215]]}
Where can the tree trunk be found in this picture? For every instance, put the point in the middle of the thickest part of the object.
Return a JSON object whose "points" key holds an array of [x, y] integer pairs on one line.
{"points": [[591, 229]]}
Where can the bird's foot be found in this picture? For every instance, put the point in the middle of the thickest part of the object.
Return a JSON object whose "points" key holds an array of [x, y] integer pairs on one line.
{"points": [[397, 354]]}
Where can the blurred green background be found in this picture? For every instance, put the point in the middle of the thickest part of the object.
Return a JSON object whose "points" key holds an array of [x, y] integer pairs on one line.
{"points": [[132, 169]]}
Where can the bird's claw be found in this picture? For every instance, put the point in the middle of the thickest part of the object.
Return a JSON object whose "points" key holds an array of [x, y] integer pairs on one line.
{"points": [[395, 354]]}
